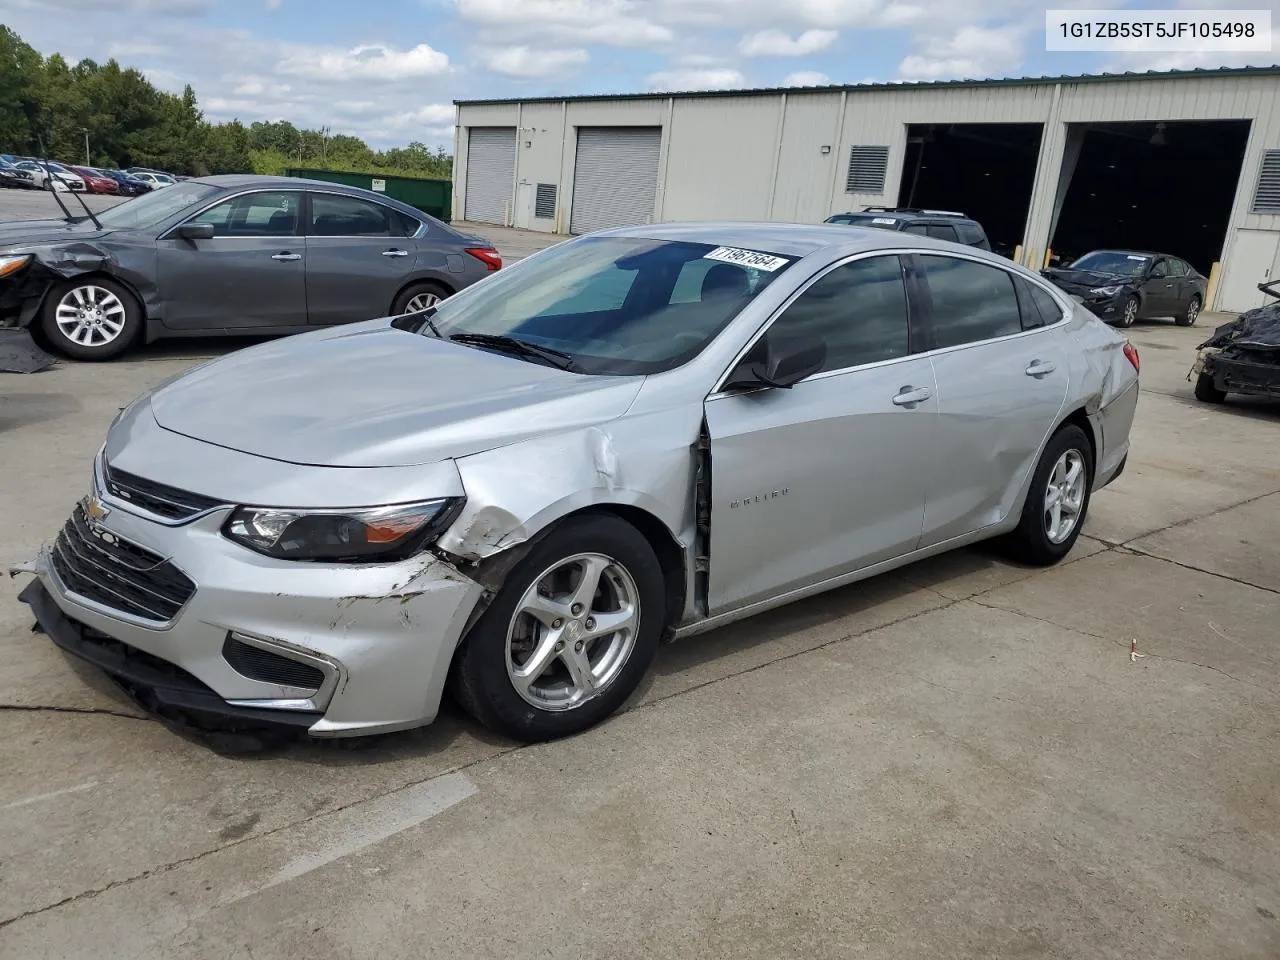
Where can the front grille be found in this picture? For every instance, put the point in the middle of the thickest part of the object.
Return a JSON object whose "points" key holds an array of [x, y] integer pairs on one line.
{"points": [[100, 566], [156, 498], [258, 664]]}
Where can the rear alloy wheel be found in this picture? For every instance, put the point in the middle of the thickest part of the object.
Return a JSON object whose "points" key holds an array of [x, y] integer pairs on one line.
{"points": [[91, 319], [1191, 315], [1207, 391], [418, 297], [569, 636], [1129, 314], [1058, 500]]}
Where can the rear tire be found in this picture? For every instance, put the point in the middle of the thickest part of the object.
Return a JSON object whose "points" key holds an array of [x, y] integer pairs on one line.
{"points": [[1191, 315], [90, 318], [1207, 391], [419, 296], [496, 675], [1044, 536]]}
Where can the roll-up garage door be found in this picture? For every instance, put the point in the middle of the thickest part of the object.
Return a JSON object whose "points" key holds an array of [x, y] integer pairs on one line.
{"points": [[615, 178], [491, 172]]}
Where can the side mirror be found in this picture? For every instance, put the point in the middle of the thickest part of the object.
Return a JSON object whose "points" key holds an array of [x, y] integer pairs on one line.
{"points": [[782, 367], [196, 231]]}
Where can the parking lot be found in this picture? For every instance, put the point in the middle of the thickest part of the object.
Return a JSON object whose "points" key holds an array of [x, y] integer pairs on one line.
{"points": [[959, 759]]}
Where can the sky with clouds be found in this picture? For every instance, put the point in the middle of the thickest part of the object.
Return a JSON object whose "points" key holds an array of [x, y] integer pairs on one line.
{"points": [[388, 70]]}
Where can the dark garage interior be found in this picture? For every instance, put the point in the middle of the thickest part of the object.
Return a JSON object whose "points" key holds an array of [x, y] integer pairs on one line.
{"points": [[1165, 186], [984, 170]]}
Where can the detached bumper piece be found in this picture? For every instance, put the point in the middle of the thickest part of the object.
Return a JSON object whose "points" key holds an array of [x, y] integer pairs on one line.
{"points": [[159, 687]]}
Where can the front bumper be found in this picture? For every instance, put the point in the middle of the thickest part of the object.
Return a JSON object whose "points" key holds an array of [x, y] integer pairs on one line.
{"points": [[380, 635], [22, 294]]}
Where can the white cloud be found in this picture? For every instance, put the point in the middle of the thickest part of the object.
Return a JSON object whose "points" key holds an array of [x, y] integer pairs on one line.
{"points": [[806, 78], [775, 43], [968, 53], [274, 4], [722, 78], [612, 22], [523, 61], [127, 50], [373, 61]]}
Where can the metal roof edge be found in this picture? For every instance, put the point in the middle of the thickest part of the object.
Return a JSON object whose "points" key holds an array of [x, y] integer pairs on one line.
{"points": [[1196, 72]]}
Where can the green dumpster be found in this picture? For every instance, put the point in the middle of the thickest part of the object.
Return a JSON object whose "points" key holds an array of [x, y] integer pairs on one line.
{"points": [[430, 196]]}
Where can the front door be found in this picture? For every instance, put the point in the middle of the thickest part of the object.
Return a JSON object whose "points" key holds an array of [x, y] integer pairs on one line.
{"points": [[1002, 380], [359, 256], [252, 274], [828, 476]]}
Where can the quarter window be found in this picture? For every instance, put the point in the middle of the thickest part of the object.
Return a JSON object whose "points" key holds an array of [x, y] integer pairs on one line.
{"points": [[859, 310], [1039, 309], [270, 213], [971, 301]]}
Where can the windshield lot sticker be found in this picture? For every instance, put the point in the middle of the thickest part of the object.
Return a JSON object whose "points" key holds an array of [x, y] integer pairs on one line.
{"points": [[747, 258], [884, 220], [1139, 259]]}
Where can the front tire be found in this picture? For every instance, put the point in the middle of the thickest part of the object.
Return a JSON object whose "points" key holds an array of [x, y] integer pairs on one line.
{"points": [[1191, 315], [1207, 391], [569, 636], [91, 318], [1058, 500], [1129, 314]]}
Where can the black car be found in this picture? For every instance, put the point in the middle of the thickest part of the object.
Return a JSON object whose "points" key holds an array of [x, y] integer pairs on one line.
{"points": [[11, 176], [1122, 286], [1242, 356], [939, 224]]}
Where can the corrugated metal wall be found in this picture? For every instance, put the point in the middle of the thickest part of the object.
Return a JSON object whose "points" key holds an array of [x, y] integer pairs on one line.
{"points": [[760, 156]]}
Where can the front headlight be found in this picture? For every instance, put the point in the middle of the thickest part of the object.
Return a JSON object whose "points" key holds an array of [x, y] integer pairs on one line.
{"points": [[373, 534], [1105, 291], [12, 263]]}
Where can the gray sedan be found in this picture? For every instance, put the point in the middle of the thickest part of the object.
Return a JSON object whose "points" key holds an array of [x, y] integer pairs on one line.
{"points": [[229, 255], [638, 434]]}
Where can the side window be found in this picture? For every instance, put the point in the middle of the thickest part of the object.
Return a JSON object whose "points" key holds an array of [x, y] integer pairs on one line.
{"points": [[917, 228], [943, 231], [270, 213], [859, 310], [1161, 270], [408, 225], [1039, 309], [1177, 268], [334, 215], [971, 301], [970, 233]]}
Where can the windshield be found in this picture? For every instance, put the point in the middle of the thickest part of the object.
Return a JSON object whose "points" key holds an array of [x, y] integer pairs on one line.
{"points": [[1110, 262], [614, 305], [153, 209], [865, 220]]}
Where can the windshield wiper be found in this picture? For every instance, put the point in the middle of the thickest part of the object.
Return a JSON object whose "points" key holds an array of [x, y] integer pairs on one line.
{"points": [[52, 176], [557, 358]]}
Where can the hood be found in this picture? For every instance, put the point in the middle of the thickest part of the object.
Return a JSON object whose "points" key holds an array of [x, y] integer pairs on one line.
{"points": [[1084, 278], [19, 232], [375, 396]]}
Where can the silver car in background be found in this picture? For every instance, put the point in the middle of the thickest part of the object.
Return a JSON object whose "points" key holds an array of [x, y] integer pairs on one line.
{"points": [[638, 434]]}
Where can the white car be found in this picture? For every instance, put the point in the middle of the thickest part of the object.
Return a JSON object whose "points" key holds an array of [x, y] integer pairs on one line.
{"points": [[40, 177], [73, 181], [157, 180]]}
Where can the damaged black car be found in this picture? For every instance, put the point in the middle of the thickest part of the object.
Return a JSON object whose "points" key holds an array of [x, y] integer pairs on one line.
{"points": [[1242, 356], [1124, 286], [228, 255]]}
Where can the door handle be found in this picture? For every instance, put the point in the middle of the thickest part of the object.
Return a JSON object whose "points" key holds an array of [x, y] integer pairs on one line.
{"points": [[909, 396], [1041, 368], [395, 253], [286, 256]]}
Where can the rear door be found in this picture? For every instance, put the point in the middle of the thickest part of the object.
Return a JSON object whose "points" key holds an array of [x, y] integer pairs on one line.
{"points": [[1161, 290], [828, 476], [1002, 380], [251, 274], [359, 256]]}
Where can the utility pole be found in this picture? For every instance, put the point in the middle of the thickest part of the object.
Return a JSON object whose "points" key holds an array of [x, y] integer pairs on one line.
{"points": [[86, 146]]}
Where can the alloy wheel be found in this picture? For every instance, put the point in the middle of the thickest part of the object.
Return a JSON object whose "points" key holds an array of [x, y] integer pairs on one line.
{"points": [[1130, 312], [1064, 496], [90, 316], [573, 631], [423, 301]]}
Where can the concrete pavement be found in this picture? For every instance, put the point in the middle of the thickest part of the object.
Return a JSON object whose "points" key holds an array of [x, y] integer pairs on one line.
{"points": [[957, 760]]}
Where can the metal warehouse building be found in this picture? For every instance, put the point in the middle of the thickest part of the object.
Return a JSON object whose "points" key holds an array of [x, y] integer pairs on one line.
{"points": [[1183, 162]]}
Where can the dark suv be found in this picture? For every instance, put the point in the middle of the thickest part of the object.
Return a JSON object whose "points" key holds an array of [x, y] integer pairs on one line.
{"points": [[939, 224]]}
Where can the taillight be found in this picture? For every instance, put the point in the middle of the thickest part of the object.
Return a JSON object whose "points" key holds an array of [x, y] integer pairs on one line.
{"points": [[1131, 353], [486, 255]]}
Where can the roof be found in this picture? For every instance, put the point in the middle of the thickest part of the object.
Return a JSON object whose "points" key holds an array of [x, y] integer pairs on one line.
{"points": [[1198, 72]]}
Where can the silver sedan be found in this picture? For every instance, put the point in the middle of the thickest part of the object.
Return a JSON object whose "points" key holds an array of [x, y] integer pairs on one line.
{"points": [[517, 493]]}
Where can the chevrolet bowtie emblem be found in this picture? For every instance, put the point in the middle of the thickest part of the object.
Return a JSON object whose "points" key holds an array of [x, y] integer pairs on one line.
{"points": [[94, 509]]}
